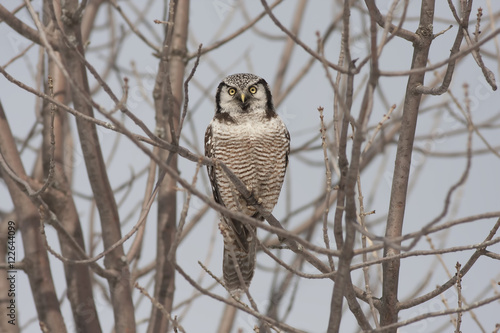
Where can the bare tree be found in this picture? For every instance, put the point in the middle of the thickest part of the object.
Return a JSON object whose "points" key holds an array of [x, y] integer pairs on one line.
{"points": [[389, 216]]}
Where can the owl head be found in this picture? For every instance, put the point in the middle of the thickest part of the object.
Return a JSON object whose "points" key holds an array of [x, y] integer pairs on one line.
{"points": [[244, 93]]}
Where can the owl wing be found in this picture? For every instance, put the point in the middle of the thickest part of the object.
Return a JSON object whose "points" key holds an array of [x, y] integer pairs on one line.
{"points": [[240, 231], [210, 168], [287, 135]]}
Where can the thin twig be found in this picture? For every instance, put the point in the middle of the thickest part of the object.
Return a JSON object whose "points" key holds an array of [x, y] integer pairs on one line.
{"points": [[133, 27], [50, 176], [159, 307], [51, 218], [428, 315], [243, 307], [182, 219], [439, 64], [234, 34], [186, 91], [297, 40], [451, 282], [328, 188], [366, 272], [488, 74], [20, 55], [459, 297]]}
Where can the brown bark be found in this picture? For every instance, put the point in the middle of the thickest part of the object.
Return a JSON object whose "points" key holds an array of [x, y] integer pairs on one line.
{"points": [[168, 96], [23, 29], [28, 221], [121, 296], [395, 219], [60, 200]]}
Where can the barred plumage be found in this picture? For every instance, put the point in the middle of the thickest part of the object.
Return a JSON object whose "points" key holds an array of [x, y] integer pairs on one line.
{"points": [[249, 137]]}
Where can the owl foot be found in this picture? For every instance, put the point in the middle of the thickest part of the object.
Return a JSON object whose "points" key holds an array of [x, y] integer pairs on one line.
{"points": [[236, 294], [252, 199]]}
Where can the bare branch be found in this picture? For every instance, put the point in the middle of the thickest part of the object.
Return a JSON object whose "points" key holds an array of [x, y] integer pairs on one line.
{"points": [[382, 21], [25, 30], [295, 38], [233, 35]]}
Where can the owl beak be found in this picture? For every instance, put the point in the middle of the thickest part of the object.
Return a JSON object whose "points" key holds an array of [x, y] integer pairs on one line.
{"points": [[242, 98]]}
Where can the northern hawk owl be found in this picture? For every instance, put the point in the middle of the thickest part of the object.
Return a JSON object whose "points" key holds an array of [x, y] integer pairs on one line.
{"points": [[248, 136]]}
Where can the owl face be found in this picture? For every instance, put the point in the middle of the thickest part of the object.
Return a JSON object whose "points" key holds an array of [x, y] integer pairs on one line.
{"points": [[242, 95]]}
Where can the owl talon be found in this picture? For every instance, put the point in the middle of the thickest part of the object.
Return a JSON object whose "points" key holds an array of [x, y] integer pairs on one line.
{"points": [[236, 294], [253, 200]]}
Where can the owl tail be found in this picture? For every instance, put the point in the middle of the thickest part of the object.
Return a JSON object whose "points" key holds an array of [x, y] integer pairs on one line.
{"points": [[246, 263], [245, 259]]}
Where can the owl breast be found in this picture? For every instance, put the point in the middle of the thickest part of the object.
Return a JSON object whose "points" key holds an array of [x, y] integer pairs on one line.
{"points": [[257, 153]]}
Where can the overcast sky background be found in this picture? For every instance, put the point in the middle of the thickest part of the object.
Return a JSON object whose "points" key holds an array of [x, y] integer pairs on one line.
{"points": [[253, 53]]}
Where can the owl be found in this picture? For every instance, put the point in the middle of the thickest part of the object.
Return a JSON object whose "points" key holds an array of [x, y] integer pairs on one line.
{"points": [[247, 135]]}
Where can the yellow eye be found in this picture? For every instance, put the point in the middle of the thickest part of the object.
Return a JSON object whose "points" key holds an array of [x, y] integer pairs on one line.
{"points": [[252, 89], [231, 91]]}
